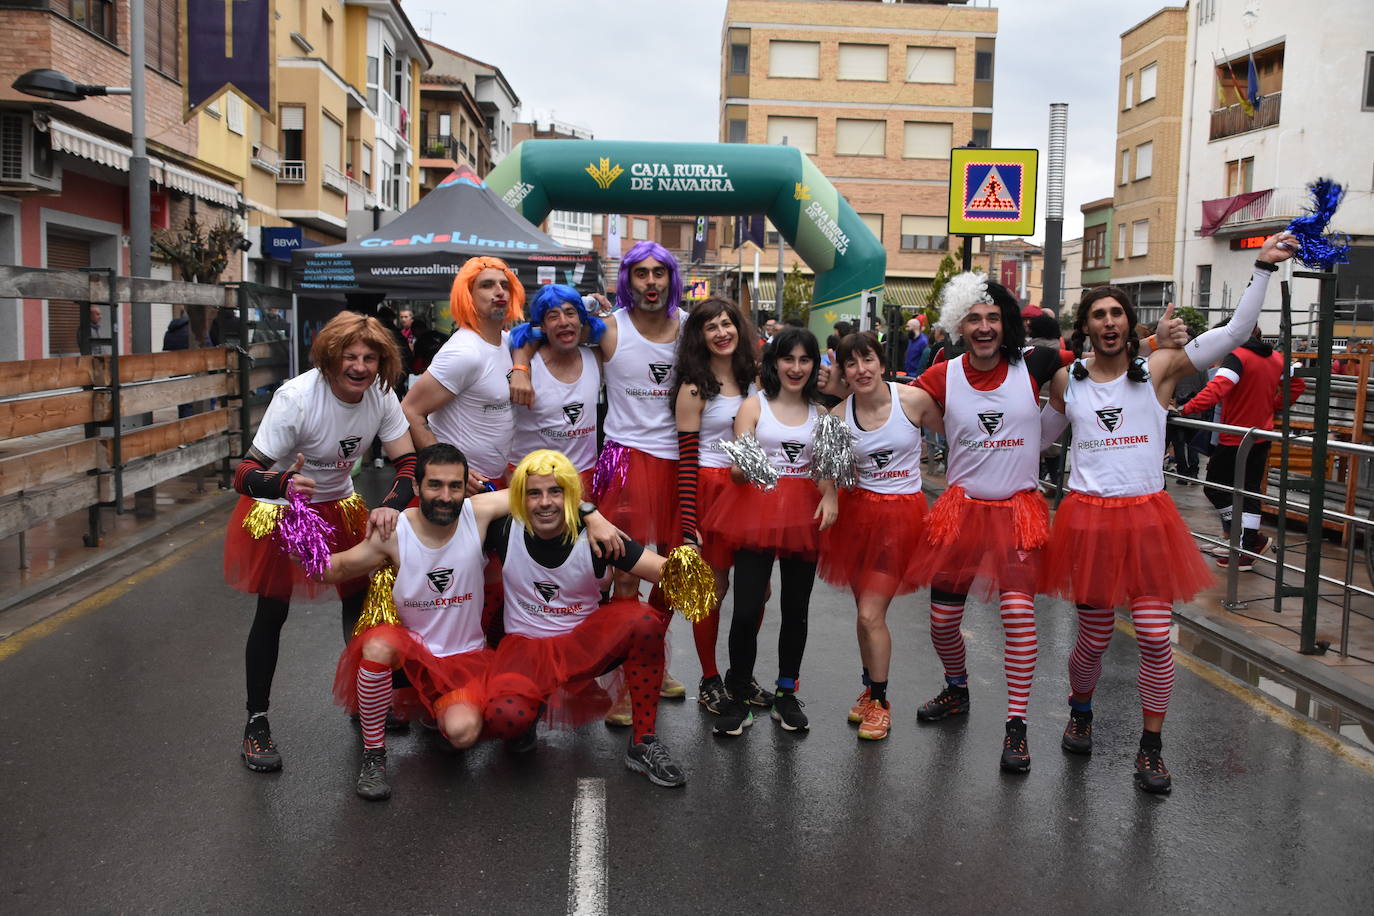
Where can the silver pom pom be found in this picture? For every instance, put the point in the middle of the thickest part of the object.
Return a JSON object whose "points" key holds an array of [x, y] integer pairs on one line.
{"points": [[832, 452], [749, 456]]}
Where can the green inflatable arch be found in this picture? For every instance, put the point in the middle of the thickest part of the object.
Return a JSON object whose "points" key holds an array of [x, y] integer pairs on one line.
{"points": [[707, 179]]}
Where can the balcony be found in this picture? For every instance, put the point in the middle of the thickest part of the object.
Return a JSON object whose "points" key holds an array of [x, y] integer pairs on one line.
{"points": [[360, 197], [291, 171], [334, 179], [1232, 120], [440, 146], [265, 158], [1266, 214]]}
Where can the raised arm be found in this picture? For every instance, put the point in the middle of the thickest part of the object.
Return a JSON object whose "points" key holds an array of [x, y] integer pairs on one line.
{"points": [[360, 560]]}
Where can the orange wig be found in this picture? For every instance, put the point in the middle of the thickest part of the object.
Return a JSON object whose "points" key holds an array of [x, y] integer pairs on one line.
{"points": [[460, 303]]}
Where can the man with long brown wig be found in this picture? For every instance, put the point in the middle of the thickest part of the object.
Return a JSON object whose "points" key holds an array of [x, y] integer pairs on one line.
{"points": [[318, 425]]}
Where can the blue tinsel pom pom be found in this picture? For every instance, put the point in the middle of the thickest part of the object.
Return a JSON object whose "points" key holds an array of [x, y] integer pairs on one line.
{"points": [[1318, 249]]}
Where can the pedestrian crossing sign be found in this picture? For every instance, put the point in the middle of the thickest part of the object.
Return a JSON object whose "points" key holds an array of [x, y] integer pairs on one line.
{"points": [[992, 191]]}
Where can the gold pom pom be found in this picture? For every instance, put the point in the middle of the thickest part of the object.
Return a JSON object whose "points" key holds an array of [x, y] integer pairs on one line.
{"points": [[355, 512], [378, 606], [689, 584], [262, 519]]}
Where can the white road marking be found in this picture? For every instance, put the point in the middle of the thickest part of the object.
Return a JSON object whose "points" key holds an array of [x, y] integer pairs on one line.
{"points": [[587, 852]]}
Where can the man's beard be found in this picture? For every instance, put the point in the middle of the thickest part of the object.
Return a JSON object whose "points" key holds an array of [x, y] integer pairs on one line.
{"points": [[440, 511]]}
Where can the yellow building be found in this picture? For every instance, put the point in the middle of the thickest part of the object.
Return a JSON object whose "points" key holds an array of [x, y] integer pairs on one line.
{"points": [[876, 94]]}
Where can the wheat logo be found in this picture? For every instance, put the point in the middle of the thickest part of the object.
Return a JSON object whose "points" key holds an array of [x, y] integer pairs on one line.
{"points": [[792, 450], [547, 590], [801, 191], [440, 579], [881, 457], [573, 412], [1109, 418], [605, 174], [991, 421], [348, 446], [659, 372]]}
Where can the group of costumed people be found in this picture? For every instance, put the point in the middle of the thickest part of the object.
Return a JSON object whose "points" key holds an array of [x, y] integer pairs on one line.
{"points": [[505, 599]]}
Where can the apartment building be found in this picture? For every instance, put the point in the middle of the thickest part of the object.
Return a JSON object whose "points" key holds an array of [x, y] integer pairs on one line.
{"points": [[1097, 243], [1149, 119], [876, 94], [452, 130], [499, 104]]}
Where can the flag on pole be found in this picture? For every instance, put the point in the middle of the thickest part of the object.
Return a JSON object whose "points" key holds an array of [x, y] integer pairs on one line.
{"points": [[228, 44], [699, 241], [1240, 96], [613, 236], [748, 229], [1252, 83]]}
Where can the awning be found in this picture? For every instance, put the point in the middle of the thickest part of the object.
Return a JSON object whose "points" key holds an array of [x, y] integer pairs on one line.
{"points": [[77, 142], [907, 292]]}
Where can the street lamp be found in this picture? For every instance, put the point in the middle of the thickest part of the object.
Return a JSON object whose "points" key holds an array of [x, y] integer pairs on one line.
{"points": [[58, 86]]}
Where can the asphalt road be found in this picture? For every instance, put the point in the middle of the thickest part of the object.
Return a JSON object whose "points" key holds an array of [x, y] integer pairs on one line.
{"points": [[124, 791]]}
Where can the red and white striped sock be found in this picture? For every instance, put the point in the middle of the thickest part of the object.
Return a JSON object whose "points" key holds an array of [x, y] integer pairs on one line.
{"points": [[945, 618], [374, 701], [1085, 662], [1153, 618], [1018, 660]]}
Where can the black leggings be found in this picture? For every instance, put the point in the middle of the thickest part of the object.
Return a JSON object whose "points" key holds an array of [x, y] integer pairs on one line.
{"points": [[753, 569], [1221, 468], [264, 640]]}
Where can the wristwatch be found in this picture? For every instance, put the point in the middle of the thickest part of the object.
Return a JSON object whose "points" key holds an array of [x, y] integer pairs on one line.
{"points": [[585, 509]]}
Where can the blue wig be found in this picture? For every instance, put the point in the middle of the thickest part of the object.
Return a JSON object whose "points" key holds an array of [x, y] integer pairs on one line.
{"points": [[554, 295], [624, 297]]}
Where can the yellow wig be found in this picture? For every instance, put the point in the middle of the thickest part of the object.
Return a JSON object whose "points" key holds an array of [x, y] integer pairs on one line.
{"points": [[556, 464], [460, 303]]}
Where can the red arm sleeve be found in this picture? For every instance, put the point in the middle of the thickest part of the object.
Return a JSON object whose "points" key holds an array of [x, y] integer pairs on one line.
{"points": [[688, 453], [1296, 386], [932, 382], [1210, 395]]}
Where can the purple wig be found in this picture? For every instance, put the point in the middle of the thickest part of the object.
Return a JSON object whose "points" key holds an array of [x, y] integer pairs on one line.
{"points": [[624, 297]]}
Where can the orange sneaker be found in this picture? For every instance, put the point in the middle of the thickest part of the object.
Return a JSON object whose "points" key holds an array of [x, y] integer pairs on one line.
{"points": [[622, 713], [877, 721], [856, 712]]}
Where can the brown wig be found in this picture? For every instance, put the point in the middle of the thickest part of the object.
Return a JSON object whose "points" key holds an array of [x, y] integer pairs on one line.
{"points": [[1135, 371], [859, 344], [694, 355], [348, 328]]}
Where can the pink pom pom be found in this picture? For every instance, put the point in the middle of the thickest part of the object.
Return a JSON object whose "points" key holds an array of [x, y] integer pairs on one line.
{"points": [[304, 534]]}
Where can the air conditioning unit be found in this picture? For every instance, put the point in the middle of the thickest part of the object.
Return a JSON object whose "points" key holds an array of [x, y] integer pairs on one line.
{"points": [[26, 157]]}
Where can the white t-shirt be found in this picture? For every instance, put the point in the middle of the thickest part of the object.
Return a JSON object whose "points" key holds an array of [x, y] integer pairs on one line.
{"points": [[478, 419], [306, 418]]}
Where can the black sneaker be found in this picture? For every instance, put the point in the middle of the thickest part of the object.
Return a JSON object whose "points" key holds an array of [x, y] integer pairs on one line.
{"points": [[711, 694], [787, 711], [735, 717], [525, 742], [952, 701], [653, 760], [757, 696], [1015, 752], [260, 752], [1078, 734], [1150, 772], [372, 784]]}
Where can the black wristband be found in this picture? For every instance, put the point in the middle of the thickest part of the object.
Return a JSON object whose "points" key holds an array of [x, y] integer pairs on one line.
{"points": [[1265, 265]]}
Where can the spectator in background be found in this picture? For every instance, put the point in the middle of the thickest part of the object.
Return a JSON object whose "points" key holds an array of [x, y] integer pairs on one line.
{"points": [[770, 327], [1044, 331], [1027, 313], [1187, 458], [98, 333], [411, 329], [916, 346]]}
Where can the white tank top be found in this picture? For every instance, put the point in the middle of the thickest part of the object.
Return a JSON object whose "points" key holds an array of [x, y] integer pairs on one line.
{"points": [[888, 458], [994, 436], [717, 424], [563, 416], [546, 602], [1118, 437], [438, 590], [787, 447], [639, 379]]}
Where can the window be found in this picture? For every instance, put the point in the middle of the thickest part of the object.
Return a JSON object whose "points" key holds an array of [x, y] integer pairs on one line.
{"points": [[855, 137], [926, 140], [98, 16], [929, 65], [771, 236], [162, 35], [1140, 238], [1095, 247], [1144, 160], [1148, 77], [1125, 166], [874, 222], [445, 125], [1240, 176], [1204, 287], [640, 228], [233, 112], [982, 137], [798, 132], [331, 141], [1369, 81], [212, 108], [292, 124], [982, 66], [739, 58], [924, 233], [863, 62], [670, 235], [598, 223], [1120, 241], [737, 130], [372, 83], [794, 59], [367, 166]]}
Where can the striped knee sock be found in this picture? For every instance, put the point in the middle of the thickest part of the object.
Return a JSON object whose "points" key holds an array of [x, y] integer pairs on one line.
{"points": [[1095, 627], [945, 618], [1018, 660], [1153, 618], [374, 701]]}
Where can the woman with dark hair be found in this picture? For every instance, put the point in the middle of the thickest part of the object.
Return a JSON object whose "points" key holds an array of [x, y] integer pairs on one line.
{"points": [[783, 524], [872, 548], [714, 373]]}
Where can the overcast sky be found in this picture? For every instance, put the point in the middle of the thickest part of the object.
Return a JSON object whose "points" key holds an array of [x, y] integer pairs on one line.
{"points": [[655, 74]]}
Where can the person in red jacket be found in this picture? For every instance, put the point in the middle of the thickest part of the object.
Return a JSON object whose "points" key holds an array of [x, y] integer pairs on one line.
{"points": [[1250, 385]]}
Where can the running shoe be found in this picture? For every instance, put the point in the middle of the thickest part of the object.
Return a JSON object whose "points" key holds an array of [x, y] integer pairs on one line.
{"points": [[372, 784], [653, 760], [757, 696], [672, 688], [787, 711], [1078, 734], [622, 713], [711, 694], [260, 752], [1015, 751], [1245, 562], [735, 717], [952, 701], [1151, 774], [877, 721], [856, 712]]}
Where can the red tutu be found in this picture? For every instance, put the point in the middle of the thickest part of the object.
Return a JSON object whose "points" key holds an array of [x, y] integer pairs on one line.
{"points": [[562, 670], [983, 547], [258, 566], [644, 506], [712, 484], [780, 521], [872, 546], [436, 681], [1103, 552]]}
